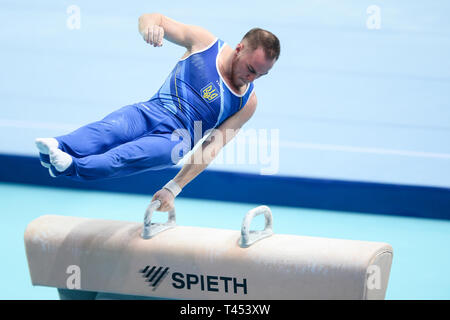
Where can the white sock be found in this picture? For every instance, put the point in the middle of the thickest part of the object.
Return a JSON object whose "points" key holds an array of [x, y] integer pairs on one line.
{"points": [[45, 144], [59, 159]]}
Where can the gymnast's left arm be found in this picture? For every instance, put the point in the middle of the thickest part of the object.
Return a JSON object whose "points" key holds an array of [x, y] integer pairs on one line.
{"points": [[209, 149]]}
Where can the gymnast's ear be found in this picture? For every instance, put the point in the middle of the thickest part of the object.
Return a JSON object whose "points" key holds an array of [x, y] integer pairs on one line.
{"points": [[239, 47]]}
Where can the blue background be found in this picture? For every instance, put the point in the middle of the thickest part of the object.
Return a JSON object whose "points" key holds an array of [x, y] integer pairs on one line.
{"points": [[350, 102], [363, 116]]}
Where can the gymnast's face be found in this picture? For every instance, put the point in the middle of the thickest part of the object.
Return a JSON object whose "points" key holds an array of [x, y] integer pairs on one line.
{"points": [[249, 64]]}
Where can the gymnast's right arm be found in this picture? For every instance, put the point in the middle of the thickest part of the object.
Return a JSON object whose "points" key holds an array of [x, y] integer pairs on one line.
{"points": [[154, 27], [208, 150]]}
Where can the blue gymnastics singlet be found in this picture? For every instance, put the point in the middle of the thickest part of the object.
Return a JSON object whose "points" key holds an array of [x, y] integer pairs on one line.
{"points": [[138, 137], [196, 91]]}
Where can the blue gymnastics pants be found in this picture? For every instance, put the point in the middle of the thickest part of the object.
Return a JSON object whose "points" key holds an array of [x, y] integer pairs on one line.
{"points": [[133, 139]]}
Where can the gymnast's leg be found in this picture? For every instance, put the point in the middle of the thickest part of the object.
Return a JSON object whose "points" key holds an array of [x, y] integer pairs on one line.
{"points": [[150, 152], [121, 126]]}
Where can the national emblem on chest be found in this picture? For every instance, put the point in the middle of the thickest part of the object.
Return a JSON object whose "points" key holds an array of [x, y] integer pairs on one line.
{"points": [[210, 92]]}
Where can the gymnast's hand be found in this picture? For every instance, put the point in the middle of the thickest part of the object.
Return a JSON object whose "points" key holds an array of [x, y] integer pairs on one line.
{"points": [[154, 35], [167, 199]]}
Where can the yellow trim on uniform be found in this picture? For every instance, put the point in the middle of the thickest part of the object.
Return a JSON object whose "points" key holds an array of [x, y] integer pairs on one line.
{"points": [[176, 90]]}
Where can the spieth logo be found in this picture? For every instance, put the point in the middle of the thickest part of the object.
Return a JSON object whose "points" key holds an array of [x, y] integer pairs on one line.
{"points": [[154, 276], [180, 281], [209, 92]]}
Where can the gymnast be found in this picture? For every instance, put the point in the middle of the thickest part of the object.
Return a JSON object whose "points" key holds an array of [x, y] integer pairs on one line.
{"points": [[210, 89]]}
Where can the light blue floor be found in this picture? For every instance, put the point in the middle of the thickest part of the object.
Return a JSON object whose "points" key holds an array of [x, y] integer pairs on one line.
{"points": [[349, 102], [421, 258]]}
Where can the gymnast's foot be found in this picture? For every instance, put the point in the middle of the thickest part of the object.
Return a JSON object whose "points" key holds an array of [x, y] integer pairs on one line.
{"points": [[59, 159], [44, 145]]}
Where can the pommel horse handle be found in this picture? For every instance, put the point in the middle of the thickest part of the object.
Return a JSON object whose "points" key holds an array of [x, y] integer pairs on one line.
{"points": [[150, 229]]}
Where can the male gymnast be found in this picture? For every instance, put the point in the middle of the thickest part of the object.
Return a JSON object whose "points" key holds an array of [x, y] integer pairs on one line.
{"points": [[211, 84]]}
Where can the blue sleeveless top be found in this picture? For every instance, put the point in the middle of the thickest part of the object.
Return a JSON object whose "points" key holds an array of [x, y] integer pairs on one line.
{"points": [[195, 91]]}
